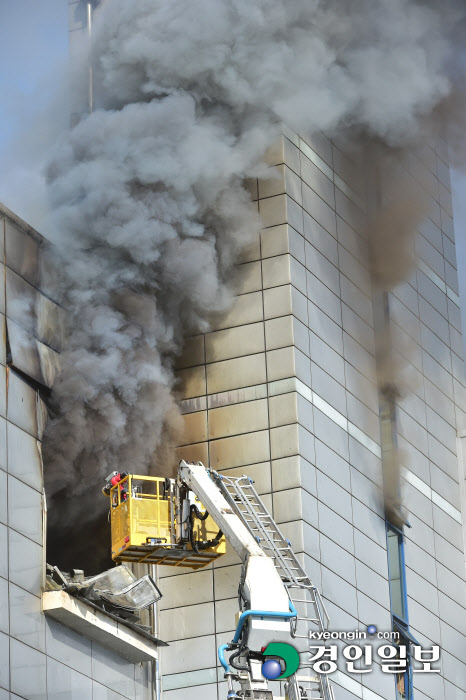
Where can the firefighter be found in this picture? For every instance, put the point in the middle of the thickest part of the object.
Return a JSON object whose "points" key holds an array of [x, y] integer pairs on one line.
{"points": [[112, 480]]}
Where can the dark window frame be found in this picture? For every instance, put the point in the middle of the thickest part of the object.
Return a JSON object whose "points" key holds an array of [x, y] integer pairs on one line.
{"points": [[401, 622]]}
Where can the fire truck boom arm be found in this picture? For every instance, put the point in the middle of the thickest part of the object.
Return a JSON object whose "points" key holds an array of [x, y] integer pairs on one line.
{"points": [[268, 612], [196, 478]]}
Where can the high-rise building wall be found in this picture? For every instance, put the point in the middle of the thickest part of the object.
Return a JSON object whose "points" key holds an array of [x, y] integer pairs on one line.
{"points": [[39, 658], [284, 390]]}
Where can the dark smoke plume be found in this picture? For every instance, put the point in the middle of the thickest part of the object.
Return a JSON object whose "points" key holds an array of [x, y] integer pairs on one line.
{"points": [[396, 207], [149, 206]]}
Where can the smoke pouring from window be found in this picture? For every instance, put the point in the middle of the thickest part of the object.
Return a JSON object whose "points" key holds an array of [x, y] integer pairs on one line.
{"points": [[150, 210]]}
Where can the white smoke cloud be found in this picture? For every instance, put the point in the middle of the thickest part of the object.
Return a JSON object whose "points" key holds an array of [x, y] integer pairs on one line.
{"points": [[313, 64], [149, 207]]}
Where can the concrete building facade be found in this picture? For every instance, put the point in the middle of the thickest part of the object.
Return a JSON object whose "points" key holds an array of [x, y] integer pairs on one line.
{"points": [[284, 390], [39, 658]]}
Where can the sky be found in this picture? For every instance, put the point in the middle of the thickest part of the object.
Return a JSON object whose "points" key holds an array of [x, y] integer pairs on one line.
{"points": [[34, 110], [33, 38], [33, 103]]}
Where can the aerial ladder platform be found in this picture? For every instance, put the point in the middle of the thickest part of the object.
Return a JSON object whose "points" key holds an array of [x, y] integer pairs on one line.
{"points": [[186, 522]]}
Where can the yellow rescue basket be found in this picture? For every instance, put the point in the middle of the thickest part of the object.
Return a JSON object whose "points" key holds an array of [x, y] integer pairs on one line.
{"points": [[144, 520]]}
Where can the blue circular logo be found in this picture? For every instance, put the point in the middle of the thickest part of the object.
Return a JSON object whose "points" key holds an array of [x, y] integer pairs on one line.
{"points": [[372, 629], [271, 669]]}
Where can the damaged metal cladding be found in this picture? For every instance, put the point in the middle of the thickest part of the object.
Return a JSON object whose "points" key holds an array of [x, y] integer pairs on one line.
{"points": [[33, 325], [116, 591], [34, 322], [26, 253], [25, 406], [30, 356], [81, 604]]}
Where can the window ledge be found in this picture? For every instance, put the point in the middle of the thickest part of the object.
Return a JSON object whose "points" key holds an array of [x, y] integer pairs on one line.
{"points": [[96, 625]]}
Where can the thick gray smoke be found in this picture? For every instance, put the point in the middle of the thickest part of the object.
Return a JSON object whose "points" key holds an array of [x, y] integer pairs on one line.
{"points": [[149, 206]]}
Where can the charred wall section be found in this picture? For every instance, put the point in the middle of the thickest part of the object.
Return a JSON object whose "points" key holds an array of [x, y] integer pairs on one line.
{"points": [[38, 656], [34, 335]]}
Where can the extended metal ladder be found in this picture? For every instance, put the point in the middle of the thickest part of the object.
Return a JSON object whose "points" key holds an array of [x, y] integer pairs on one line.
{"points": [[246, 502]]}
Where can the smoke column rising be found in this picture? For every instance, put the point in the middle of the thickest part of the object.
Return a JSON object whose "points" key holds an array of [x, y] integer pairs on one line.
{"points": [[149, 205]]}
